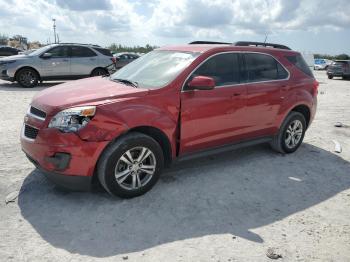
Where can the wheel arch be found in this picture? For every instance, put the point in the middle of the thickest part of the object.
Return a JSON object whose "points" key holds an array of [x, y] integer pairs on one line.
{"points": [[98, 67], [305, 111], [151, 131], [26, 67]]}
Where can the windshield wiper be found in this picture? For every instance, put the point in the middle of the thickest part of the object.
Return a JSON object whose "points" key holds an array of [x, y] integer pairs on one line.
{"points": [[125, 81]]}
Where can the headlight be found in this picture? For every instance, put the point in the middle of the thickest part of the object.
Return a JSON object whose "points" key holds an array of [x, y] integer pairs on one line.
{"points": [[72, 119]]}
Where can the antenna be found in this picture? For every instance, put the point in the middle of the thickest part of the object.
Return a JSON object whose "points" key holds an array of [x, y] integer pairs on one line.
{"points": [[54, 28], [266, 35]]}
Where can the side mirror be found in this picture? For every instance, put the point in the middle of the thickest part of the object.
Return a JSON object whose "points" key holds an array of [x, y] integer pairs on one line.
{"points": [[46, 55], [201, 83]]}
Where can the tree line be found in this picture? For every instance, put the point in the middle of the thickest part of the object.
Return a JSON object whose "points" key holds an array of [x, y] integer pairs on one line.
{"points": [[118, 48], [17, 41], [335, 57]]}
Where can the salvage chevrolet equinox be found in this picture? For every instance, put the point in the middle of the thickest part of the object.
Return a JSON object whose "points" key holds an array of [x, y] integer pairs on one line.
{"points": [[174, 102]]}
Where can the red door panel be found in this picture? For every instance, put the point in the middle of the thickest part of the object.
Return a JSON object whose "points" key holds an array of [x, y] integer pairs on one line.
{"points": [[263, 106], [211, 118]]}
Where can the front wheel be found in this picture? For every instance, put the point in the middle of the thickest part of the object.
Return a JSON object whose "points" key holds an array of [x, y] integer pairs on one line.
{"points": [[131, 166], [27, 77], [291, 134]]}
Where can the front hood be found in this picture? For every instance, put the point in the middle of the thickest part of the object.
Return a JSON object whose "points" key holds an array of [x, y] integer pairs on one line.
{"points": [[89, 91], [13, 57]]}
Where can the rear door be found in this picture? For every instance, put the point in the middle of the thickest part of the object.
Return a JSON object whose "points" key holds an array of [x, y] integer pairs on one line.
{"points": [[58, 65], [265, 78], [211, 118], [83, 60]]}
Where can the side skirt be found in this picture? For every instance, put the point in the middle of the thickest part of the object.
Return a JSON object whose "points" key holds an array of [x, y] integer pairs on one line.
{"points": [[225, 148]]}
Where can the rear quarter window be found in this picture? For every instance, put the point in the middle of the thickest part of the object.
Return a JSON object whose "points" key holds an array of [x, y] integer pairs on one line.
{"points": [[261, 67], [300, 63], [104, 51]]}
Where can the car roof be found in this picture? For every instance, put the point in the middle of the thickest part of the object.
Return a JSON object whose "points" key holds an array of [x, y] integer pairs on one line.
{"points": [[202, 48]]}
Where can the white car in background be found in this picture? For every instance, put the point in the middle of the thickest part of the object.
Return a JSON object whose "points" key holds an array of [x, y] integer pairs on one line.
{"points": [[56, 62], [322, 64]]}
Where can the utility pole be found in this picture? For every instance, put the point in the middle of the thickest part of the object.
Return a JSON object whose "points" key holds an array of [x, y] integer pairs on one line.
{"points": [[54, 28]]}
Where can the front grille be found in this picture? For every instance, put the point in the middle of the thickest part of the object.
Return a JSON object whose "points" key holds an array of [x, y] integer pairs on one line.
{"points": [[37, 112], [30, 132]]}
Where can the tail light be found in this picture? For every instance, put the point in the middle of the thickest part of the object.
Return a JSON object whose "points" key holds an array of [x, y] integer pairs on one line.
{"points": [[315, 85], [114, 60]]}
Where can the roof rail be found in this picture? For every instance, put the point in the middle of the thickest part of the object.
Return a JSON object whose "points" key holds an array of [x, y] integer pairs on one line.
{"points": [[79, 44], [208, 43], [258, 44], [242, 43]]}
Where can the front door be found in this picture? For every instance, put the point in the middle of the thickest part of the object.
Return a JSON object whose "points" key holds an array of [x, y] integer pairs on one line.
{"points": [[58, 65], [211, 118]]}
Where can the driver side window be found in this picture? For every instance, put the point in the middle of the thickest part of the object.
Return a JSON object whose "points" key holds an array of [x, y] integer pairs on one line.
{"points": [[223, 68], [59, 51]]}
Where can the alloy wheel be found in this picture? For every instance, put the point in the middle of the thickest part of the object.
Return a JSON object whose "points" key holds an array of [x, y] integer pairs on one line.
{"points": [[135, 168], [294, 133]]}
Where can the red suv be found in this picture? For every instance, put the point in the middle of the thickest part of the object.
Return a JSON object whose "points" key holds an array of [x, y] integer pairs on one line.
{"points": [[174, 102]]}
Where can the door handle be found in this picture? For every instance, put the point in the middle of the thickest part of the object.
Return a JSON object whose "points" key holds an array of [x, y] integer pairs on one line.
{"points": [[236, 94]]}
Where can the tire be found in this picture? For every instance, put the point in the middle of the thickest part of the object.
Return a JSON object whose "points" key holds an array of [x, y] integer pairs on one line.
{"points": [[114, 162], [99, 72], [330, 77], [280, 141], [27, 78]]}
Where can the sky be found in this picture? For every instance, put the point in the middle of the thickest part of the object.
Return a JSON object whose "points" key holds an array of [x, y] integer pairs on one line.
{"points": [[318, 26]]}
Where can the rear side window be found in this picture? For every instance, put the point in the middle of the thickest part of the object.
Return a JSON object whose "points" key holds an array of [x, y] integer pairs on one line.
{"points": [[260, 67], [224, 68], [300, 63], [81, 51], [103, 51]]}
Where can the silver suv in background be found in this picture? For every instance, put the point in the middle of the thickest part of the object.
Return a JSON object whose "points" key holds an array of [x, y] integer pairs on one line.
{"points": [[56, 62]]}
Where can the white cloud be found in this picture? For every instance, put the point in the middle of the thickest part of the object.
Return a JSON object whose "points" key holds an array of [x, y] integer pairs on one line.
{"points": [[159, 21]]}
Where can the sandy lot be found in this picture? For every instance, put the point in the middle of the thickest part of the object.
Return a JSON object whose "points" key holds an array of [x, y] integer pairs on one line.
{"points": [[227, 207]]}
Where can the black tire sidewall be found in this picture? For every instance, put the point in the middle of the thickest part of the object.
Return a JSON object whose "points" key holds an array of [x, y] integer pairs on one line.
{"points": [[26, 70], [112, 156], [293, 116], [94, 72]]}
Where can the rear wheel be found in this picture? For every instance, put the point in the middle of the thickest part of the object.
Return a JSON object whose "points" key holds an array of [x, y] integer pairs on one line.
{"points": [[330, 76], [131, 166], [291, 134], [27, 77], [99, 72]]}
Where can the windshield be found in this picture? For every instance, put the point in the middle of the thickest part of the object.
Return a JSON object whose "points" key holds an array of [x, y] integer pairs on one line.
{"points": [[39, 51], [156, 69]]}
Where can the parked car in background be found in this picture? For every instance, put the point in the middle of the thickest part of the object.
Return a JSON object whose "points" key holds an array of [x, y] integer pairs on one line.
{"points": [[174, 102], [322, 64], [56, 62], [8, 51], [27, 52], [122, 59], [339, 68]]}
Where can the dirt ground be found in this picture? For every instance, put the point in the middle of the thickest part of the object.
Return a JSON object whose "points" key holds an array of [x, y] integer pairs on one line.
{"points": [[227, 207]]}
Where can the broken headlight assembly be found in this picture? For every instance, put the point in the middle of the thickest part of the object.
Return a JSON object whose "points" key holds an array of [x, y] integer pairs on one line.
{"points": [[72, 119]]}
